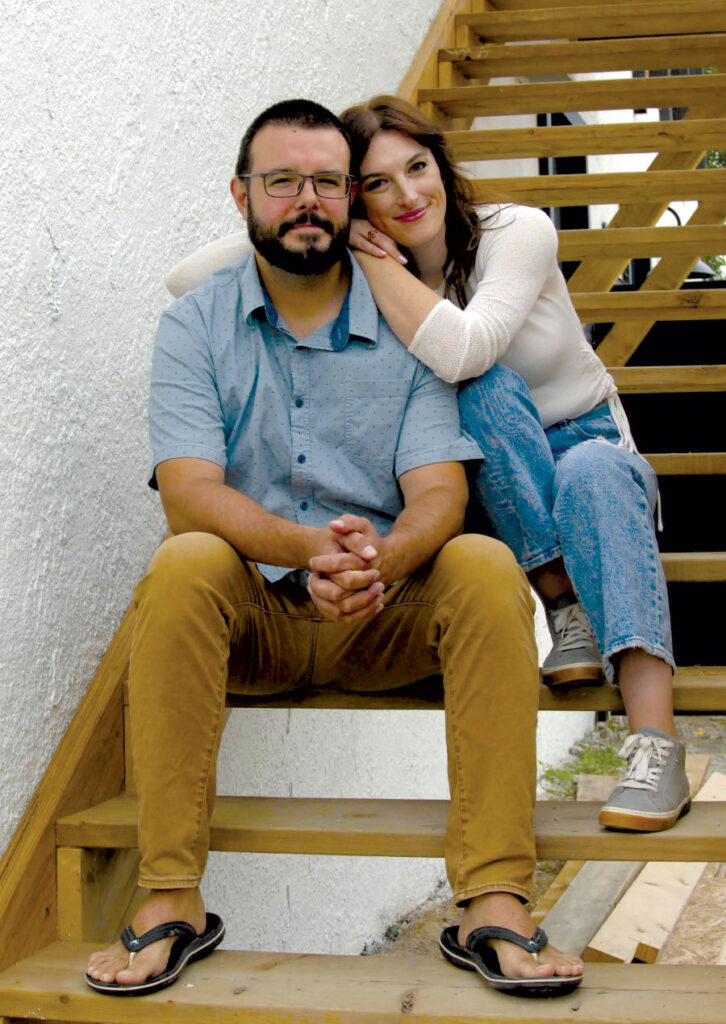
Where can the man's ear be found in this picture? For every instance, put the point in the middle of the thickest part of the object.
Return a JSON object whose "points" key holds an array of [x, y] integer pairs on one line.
{"points": [[239, 193]]}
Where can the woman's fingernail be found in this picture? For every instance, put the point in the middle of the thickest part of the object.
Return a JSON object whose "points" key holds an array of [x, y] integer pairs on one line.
{"points": [[402, 258]]}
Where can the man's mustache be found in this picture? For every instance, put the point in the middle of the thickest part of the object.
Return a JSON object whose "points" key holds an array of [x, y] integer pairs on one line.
{"points": [[307, 218]]}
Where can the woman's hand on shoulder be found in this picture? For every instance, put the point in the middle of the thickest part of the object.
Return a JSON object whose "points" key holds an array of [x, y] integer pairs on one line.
{"points": [[366, 238]]}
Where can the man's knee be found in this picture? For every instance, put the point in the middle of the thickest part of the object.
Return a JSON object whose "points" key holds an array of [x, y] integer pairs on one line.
{"points": [[480, 563], [189, 559]]}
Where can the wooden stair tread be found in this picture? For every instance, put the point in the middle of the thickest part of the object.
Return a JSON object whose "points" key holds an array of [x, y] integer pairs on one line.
{"points": [[595, 21], [559, 58], [660, 304], [257, 988], [667, 379], [579, 139], [700, 240], [626, 188], [573, 94], [698, 689], [400, 828], [687, 463]]}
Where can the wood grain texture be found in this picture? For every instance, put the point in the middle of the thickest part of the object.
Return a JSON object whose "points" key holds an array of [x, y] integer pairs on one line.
{"points": [[86, 767], [693, 241], [598, 21], [400, 828], [563, 58], [687, 463], [668, 379], [629, 188], [553, 97], [673, 304], [584, 139], [288, 988]]}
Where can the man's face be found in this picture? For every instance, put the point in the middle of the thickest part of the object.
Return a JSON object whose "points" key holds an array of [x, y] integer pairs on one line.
{"points": [[304, 234]]}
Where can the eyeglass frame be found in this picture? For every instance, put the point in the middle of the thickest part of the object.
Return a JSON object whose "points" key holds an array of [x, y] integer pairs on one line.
{"points": [[350, 178]]}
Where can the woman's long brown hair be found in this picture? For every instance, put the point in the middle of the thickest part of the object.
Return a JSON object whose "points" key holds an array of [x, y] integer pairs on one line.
{"points": [[462, 222]]}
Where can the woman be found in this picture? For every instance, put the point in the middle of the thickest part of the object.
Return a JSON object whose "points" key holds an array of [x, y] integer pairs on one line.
{"points": [[477, 295]]}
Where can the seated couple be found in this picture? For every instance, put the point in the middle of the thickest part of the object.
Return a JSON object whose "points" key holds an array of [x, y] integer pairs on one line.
{"points": [[308, 452]]}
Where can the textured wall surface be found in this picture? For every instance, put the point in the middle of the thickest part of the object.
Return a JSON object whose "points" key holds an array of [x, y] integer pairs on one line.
{"points": [[120, 129]]}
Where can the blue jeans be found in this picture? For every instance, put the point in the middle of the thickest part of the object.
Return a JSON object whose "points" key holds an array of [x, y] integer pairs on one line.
{"points": [[570, 491]]}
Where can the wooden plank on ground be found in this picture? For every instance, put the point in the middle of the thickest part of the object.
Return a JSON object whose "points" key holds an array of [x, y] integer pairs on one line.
{"points": [[648, 912], [566, 58], [630, 188], [598, 21], [291, 988], [574, 94], [399, 828]]}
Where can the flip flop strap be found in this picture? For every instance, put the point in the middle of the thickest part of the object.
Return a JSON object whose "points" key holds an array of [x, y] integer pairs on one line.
{"points": [[134, 943], [534, 945]]}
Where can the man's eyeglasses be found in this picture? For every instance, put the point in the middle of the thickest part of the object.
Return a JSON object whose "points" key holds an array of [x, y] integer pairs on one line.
{"points": [[286, 184]]}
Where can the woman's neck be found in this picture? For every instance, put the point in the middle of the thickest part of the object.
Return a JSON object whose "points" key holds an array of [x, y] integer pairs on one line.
{"points": [[431, 258]]}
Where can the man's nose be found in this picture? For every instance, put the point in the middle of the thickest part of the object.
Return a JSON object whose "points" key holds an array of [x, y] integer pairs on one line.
{"points": [[307, 195]]}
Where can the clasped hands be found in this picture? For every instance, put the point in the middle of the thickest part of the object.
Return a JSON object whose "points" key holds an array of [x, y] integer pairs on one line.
{"points": [[345, 580]]}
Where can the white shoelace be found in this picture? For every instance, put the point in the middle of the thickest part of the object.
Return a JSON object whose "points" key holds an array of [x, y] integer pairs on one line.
{"points": [[571, 627], [647, 756]]}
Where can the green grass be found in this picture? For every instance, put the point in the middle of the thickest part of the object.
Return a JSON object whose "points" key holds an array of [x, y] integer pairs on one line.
{"points": [[597, 754]]}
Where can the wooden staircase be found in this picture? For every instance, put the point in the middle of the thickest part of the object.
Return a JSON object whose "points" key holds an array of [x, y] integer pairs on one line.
{"points": [[67, 882]]}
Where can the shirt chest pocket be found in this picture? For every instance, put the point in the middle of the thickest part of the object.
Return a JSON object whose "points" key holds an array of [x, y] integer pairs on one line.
{"points": [[374, 411]]}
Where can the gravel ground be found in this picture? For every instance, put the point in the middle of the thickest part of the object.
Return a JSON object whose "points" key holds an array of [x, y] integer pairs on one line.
{"points": [[700, 934]]}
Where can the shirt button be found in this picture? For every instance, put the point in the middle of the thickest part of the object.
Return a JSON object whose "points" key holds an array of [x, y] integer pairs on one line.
{"points": [[299, 403], [301, 458], [304, 506]]}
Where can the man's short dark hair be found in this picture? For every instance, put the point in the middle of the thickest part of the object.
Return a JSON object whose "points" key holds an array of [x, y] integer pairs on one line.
{"points": [[302, 113]]}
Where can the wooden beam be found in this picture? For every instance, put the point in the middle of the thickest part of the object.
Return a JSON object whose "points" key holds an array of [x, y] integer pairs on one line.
{"points": [[694, 566], [599, 21], [631, 188], [556, 97], [653, 53], [677, 304], [87, 766], [623, 338], [97, 893], [581, 140], [638, 242], [644, 380], [701, 689], [399, 828], [688, 463]]}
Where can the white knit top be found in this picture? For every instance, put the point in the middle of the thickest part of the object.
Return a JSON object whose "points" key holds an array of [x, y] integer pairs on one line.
{"points": [[520, 314]]}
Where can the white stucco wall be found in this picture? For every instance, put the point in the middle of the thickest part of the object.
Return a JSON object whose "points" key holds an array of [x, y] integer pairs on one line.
{"points": [[121, 125]]}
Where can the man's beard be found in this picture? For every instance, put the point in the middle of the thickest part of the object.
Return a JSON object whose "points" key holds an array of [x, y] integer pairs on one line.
{"points": [[309, 260]]}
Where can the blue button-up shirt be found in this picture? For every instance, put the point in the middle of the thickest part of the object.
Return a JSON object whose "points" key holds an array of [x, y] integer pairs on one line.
{"points": [[309, 429]]}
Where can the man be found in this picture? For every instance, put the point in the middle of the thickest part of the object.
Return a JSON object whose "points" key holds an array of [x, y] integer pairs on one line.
{"points": [[292, 433]]}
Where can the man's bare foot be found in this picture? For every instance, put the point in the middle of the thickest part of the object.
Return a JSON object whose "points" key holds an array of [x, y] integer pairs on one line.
{"points": [[162, 906], [506, 911]]}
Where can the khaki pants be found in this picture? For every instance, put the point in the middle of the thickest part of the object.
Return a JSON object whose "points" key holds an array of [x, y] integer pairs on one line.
{"points": [[201, 610]]}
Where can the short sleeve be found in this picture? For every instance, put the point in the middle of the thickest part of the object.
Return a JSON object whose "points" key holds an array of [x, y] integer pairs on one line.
{"points": [[185, 414], [431, 431]]}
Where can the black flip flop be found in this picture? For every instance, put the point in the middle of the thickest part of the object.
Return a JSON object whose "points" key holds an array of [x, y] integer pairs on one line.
{"points": [[188, 947], [478, 956]]}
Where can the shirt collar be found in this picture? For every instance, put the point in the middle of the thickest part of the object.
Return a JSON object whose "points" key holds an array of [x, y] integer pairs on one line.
{"points": [[358, 317]]}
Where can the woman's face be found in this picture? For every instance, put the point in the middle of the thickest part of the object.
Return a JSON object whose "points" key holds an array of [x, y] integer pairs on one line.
{"points": [[402, 189]]}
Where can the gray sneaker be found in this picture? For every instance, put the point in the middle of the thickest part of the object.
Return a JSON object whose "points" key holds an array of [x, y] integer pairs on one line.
{"points": [[654, 792], [574, 658]]}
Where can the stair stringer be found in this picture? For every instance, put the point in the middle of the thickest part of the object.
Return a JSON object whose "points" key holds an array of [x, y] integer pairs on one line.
{"points": [[87, 766]]}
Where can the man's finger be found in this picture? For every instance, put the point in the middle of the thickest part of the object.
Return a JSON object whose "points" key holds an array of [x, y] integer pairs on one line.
{"points": [[359, 545], [340, 562]]}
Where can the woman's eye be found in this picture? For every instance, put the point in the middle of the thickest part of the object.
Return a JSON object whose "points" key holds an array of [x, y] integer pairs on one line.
{"points": [[374, 184], [418, 165]]}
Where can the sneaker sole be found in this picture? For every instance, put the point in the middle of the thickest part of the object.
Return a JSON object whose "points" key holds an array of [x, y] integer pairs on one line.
{"points": [[574, 675], [637, 822]]}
